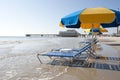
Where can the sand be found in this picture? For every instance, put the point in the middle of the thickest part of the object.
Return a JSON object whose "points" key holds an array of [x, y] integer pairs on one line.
{"points": [[18, 60], [111, 41]]}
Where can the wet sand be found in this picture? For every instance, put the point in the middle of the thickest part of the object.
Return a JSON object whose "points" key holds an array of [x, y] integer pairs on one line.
{"points": [[18, 61], [111, 41]]}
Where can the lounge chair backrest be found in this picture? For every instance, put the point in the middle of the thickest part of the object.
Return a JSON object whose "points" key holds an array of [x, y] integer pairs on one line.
{"points": [[86, 47]]}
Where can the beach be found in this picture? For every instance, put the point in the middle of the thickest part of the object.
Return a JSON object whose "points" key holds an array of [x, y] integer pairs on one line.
{"points": [[18, 60], [112, 41]]}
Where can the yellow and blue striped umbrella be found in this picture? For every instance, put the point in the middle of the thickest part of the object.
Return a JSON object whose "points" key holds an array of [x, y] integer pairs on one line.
{"points": [[103, 30], [95, 33], [96, 30], [92, 18]]}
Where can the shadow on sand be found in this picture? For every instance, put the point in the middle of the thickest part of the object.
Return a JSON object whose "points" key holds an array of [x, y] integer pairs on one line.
{"points": [[114, 44], [96, 65]]}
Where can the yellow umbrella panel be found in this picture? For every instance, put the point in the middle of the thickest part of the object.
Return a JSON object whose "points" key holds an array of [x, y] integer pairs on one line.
{"points": [[97, 15]]}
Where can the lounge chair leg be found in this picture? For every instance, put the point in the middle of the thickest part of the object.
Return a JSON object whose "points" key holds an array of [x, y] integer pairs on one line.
{"points": [[39, 58]]}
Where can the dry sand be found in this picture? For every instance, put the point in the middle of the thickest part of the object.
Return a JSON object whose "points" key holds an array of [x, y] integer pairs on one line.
{"points": [[18, 60]]}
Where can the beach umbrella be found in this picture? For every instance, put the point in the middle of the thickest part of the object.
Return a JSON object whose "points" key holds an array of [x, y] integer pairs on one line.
{"points": [[87, 30], [103, 30], [92, 18], [96, 30], [95, 33]]}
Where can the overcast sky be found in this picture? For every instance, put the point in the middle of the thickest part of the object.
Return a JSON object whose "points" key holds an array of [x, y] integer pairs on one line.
{"points": [[20, 17]]}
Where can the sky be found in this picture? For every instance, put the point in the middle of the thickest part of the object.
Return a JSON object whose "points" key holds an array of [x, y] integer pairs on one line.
{"points": [[20, 17]]}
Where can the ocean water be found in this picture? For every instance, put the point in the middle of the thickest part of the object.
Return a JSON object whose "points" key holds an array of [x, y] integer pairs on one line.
{"points": [[13, 38], [18, 59]]}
